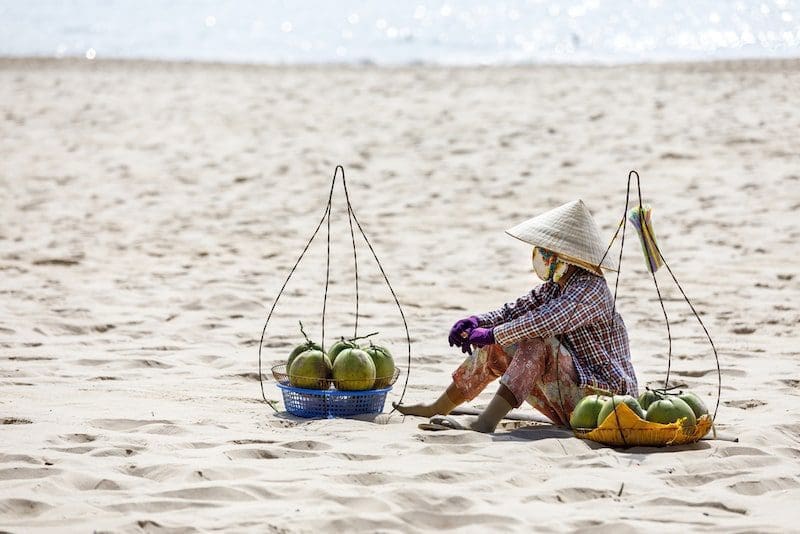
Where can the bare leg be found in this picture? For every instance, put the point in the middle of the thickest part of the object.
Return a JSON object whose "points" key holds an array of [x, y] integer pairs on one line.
{"points": [[500, 405], [472, 376], [521, 375], [448, 400]]}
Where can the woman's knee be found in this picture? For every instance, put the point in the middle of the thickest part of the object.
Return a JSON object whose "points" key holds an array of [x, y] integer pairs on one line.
{"points": [[532, 350], [497, 359]]}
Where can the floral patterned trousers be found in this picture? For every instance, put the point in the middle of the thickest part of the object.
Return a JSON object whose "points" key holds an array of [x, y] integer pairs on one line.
{"points": [[528, 369]]}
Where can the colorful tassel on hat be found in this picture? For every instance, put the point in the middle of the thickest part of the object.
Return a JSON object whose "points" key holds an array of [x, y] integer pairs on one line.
{"points": [[641, 219]]}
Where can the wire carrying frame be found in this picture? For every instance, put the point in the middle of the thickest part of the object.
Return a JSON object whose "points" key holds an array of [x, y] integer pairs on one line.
{"points": [[326, 220], [680, 435]]}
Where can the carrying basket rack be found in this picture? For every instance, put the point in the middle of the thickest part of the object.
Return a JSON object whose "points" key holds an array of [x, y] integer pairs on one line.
{"points": [[623, 428], [330, 401]]}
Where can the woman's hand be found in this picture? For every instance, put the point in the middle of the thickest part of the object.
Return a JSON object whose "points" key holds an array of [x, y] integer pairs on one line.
{"points": [[464, 326], [480, 337]]}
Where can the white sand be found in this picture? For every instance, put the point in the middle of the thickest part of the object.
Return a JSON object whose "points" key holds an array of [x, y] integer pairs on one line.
{"points": [[150, 212]]}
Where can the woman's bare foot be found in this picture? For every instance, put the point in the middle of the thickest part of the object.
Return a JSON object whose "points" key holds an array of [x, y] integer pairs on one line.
{"points": [[463, 423], [487, 421], [422, 410], [448, 400], [482, 426]]}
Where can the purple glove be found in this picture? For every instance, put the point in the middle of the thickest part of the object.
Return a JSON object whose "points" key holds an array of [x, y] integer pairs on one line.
{"points": [[463, 326], [480, 337]]}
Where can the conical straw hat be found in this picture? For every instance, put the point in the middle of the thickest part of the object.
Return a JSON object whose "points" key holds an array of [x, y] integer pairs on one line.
{"points": [[570, 232]]}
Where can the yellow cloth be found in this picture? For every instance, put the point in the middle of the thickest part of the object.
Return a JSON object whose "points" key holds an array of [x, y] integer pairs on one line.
{"points": [[638, 432]]}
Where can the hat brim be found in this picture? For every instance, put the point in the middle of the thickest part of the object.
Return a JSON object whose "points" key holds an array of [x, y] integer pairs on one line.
{"points": [[569, 231], [608, 263]]}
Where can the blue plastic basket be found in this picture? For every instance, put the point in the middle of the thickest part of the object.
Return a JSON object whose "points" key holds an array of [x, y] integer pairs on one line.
{"points": [[331, 403]]}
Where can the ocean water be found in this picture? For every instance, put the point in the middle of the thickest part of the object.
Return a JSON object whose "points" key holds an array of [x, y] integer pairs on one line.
{"points": [[401, 32]]}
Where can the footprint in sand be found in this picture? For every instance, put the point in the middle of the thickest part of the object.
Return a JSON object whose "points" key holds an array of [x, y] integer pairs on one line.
{"points": [[146, 363], [78, 438], [63, 262], [253, 377], [307, 446], [453, 438], [793, 383], [371, 478], [792, 430], [667, 501], [252, 441], [354, 457], [209, 493], [699, 479], [120, 451], [764, 485], [22, 508], [266, 454], [158, 472], [198, 445], [580, 494], [443, 476], [704, 372], [788, 452], [127, 425], [358, 503], [743, 330], [89, 483], [155, 507], [25, 473], [14, 421], [20, 458], [745, 404], [735, 450], [91, 362], [73, 450]]}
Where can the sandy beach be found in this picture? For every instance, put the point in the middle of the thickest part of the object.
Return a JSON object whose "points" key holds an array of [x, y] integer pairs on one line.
{"points": [[150, 212]]}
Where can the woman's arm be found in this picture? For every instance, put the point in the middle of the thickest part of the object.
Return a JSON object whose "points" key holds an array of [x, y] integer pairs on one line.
{"points": [[585, 301], [513, 310]]}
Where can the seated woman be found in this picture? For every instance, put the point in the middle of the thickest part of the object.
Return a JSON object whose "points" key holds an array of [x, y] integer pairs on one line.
{"points": [[551, 346]]}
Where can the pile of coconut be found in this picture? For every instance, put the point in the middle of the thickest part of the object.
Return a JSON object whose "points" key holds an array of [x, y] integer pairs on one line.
{"points": [[350, 364]]}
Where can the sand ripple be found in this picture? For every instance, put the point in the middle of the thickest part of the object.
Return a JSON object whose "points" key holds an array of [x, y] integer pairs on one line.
{"points": [[150, 211]]}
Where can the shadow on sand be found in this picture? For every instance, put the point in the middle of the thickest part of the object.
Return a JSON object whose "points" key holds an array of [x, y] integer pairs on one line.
{"points": [[537, 432]]}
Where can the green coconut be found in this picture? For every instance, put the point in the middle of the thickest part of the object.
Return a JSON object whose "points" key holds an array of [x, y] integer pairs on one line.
{"points": [[353, 370], [586, 411], [608, 407], [301, 348], [695, 403], [384, 365], [310, 370], [648, 397], [339, 346], [670, 410]]}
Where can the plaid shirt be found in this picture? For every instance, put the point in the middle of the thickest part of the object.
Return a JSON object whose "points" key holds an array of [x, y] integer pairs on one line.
{"points": [[599, 346]]}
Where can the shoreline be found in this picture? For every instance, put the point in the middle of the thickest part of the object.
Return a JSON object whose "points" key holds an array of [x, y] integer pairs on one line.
{"points": [[699, 65]]}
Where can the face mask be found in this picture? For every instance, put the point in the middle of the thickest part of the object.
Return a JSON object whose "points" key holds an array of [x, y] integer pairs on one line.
{"points": [[547, 266]]}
